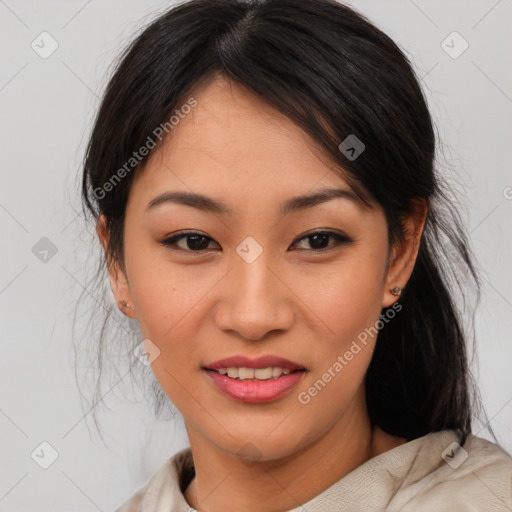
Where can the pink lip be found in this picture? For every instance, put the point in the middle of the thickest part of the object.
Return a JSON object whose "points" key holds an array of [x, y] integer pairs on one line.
{"points": [[260, 362], [254, 391]]}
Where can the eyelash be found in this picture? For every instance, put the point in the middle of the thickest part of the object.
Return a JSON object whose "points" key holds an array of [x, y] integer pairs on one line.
{"points": [[340, 240]]}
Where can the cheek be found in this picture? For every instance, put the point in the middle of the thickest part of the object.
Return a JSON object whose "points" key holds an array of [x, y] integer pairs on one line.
{"points": [[345, 297], [170, 301], [166, 295], [348, 301], [350, 306], [169, 309]]}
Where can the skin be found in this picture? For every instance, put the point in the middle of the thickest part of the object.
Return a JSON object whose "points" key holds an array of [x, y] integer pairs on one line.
{"points": [[293, 301]]}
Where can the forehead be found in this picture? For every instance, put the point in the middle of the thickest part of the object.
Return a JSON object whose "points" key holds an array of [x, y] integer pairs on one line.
{"points": [[229, 122], [232, 142]]}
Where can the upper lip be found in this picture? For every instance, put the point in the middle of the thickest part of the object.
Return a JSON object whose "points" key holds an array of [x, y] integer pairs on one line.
{"points": [[260, 362]]}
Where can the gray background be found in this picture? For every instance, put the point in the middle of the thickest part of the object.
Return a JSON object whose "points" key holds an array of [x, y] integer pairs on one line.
{"points": [[47, 107]]}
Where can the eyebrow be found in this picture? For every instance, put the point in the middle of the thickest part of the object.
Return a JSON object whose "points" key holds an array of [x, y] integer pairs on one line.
{"points": [[210, 205]]}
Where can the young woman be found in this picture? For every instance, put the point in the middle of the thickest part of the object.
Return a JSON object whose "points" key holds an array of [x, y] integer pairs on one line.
{"points": [[262, 178]]}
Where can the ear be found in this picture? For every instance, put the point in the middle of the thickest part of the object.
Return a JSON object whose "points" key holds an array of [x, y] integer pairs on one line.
{"points": [[403, 255], [118, 280]]}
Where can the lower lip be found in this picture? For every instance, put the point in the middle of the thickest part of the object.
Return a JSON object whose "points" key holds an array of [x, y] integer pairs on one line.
{"points": [[254, 391]]}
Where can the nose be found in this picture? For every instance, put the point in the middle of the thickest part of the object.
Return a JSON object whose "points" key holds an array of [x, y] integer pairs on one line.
{"points": [[255, 300]]}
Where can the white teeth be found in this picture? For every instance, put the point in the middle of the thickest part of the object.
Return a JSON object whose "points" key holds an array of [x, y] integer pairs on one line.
{"points": [[243, 373], [233, 373], [263, 373]]}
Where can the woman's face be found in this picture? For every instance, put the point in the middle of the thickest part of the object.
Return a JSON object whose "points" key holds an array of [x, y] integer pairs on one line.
{"points": [[254, 281]]}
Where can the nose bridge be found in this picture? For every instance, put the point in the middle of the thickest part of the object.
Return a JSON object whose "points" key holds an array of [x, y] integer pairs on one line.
{"points": [[255, 303], [254, 280], [254, 284]]}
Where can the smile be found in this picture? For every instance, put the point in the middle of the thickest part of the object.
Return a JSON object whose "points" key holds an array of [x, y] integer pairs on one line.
{"points": [[255, 389]]}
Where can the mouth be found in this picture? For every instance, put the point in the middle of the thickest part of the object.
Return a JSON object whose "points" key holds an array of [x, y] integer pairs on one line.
{"points": [[264, 379], [259, 380]]}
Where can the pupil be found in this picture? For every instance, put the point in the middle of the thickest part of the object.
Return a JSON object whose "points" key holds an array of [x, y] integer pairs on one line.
{"points": [[193, 242], [315, 238]]}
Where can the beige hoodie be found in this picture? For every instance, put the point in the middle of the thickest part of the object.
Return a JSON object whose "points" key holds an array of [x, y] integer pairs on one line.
{"points": [[428, 474]]}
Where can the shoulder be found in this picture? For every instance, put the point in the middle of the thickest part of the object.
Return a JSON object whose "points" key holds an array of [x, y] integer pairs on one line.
{"points": [[486, 455], [475, 476], [162, 492]]}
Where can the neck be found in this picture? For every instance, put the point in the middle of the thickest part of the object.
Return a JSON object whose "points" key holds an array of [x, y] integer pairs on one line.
{"points": [[224, 482]]}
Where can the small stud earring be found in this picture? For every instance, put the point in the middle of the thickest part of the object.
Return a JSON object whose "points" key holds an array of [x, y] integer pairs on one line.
{"points": [[124, 304], [396, 291]]}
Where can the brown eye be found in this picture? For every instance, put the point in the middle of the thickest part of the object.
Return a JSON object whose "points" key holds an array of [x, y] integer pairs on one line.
{"points": [[197, 242], [194, 242], [319, 240]]}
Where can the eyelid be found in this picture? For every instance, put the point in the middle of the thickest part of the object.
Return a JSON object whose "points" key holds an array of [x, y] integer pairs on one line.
{"points": [[338, 236], [170, 241]]}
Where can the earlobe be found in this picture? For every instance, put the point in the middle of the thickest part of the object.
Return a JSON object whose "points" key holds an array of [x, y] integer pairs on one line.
{"points": [[396, 291], [118, 281], [124, 307], [404, 254]]}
